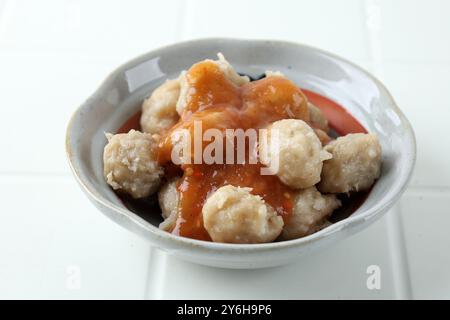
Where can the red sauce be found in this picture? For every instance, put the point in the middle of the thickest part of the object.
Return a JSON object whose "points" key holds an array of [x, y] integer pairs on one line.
{"points": [[133, 123], [339, 119], [220, 104]]}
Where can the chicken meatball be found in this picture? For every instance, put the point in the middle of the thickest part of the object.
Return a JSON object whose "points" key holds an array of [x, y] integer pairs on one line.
{"points": [[309, 214], [159, 111], [234, 215], [168, 198], [355, 165], [224, 66], [317, 118], [296, 154], [130, 164]]}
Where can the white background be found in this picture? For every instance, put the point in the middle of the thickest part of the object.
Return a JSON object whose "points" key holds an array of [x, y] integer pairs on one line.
{"points": [[54, 54]]}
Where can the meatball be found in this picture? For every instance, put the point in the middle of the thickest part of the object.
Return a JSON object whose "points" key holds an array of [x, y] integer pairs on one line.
{"points": [[234, 215], [317, 118], [225, 67], [355, 165], [168, 198], [229, 71], [130, 165], [159, 110], [297, 150], [309, 214]]}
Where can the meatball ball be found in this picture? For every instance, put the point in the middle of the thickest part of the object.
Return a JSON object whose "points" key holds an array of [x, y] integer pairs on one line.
{"points": [[309, 214], [185, 92], [234, 215], [355, 164], [229, 71], [159, 111], [298, 151], [168, 198], [317, 118], [130, 164], [225, 67]]}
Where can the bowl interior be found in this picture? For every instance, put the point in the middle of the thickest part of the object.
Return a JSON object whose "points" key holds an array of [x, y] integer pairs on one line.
{"points": [[364, 97]]}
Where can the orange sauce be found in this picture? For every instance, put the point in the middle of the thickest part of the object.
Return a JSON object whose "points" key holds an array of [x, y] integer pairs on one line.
{"points": [[205, 179], [339, 119], [218, 103]]}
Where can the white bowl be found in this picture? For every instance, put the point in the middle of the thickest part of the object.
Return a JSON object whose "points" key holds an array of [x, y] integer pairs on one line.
{"points": [[121, 94]]}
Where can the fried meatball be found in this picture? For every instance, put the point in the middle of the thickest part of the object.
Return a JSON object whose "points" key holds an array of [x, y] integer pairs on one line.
{"points": [[234, 215], [317, 118], [224, 66], [159, 111], [298, 151], [355, 164], [309, 214], [168, 198], [130, 165]]}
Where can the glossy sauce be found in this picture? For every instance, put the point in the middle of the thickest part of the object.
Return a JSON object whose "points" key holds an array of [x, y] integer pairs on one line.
{"points": [[220, 104], [339, 119]]}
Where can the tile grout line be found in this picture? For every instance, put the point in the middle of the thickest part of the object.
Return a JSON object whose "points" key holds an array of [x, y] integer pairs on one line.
{"points": [[156, 273], [187, 12], [372, 13], [35, 174], [427, 190], [412, 188], [398, 253], [397, 245]]}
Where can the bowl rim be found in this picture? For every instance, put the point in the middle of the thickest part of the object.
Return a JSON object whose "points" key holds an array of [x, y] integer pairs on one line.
{"points": [[369, 214]]}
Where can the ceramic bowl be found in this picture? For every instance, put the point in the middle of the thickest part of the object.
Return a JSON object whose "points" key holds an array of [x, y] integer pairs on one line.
{"points": [[121, 94]]}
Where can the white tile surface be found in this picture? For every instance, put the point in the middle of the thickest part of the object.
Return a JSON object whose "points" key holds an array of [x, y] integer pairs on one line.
{"points": [[54, 53], [415, 31], [50, 233], [42, 89], [338, 272], [421, 91], [329, 24], [426, 218], [100, 28]]}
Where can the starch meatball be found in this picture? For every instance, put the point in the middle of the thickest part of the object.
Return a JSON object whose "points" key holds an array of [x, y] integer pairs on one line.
{"points": [[168, 198], [309, 214], [130, 165], [229, 71], [159, 110], [234, 215], [317, 118], [355, 165], [224, 66], [299, 153]]}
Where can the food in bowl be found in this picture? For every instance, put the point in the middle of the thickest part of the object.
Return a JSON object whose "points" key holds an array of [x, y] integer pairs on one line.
{"points": [[238, 160]]}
